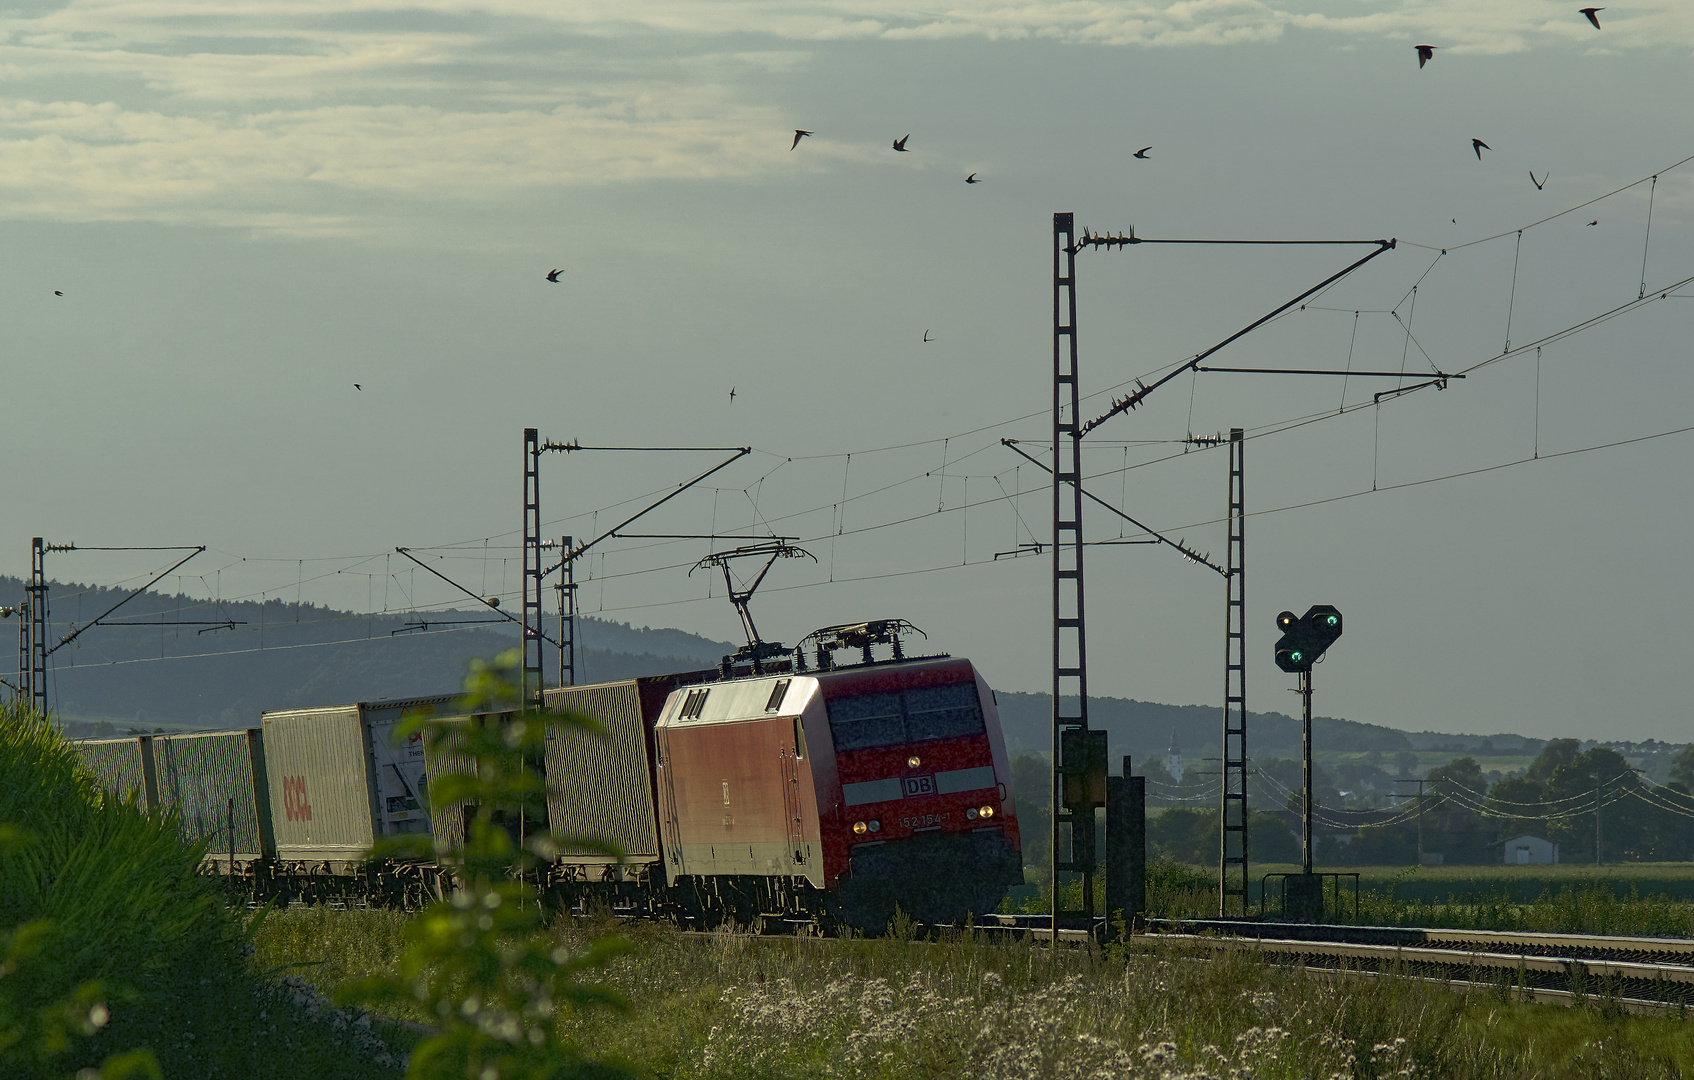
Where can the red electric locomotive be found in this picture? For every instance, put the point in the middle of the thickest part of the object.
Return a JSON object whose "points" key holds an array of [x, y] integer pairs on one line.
{"points": [[845, 791], [810, 790]]}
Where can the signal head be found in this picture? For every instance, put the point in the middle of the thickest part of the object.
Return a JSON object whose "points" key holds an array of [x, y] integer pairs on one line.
{"points": [[1323, 626], [1324, 618], [1293, 658], [1287, 621]]}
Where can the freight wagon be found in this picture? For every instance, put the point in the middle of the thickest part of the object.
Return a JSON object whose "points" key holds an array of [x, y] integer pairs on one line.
{"points": [[292, 805], [214, 781]]}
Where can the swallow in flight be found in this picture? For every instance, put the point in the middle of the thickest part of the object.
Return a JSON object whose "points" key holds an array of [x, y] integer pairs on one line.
{"points": [[900, 144], [799, 133], [553, 277], [1426, 53], [732, 389], [971, 179], [1142, 153], [1593, 14], [1479, 146], [1541, 183], [926, 336]]}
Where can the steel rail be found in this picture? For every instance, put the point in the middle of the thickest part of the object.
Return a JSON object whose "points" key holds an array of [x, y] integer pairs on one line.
{"points": [[1404, 954], [1583, 946]]}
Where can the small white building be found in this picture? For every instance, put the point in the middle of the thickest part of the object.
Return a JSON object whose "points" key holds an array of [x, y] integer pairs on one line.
{"points": [[1173, 759], [1523, 850]]}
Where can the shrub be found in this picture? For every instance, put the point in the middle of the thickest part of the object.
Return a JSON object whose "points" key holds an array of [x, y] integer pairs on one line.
{"points": [[120, 956], [480, 964]]}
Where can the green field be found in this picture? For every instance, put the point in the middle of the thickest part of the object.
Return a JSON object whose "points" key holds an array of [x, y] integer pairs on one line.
{"points": [[1650, 899], [1522, 884], [732, 1005]]}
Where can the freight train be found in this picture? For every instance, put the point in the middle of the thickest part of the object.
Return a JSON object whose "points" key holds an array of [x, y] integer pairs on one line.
{"points": [[827, 791]]}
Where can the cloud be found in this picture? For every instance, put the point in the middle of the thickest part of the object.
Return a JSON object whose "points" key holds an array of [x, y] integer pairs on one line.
{"points": [[265, 112], [87, 162]]}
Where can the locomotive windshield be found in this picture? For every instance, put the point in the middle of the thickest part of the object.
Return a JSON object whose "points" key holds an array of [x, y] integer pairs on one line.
{"points": [[920, 714]]}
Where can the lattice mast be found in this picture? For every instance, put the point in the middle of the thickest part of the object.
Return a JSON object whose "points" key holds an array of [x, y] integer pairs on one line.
{"points": [[532, 575], [567, 614], [1234, 846], [33, 651], [1070, 639]]}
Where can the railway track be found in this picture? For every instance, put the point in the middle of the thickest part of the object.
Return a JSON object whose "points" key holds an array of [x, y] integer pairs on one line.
{"points": [[1636, 974], [1644, 975]]}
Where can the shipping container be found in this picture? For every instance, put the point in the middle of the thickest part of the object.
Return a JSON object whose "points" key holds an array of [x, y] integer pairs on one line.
{"points": [[338, 783], [447, 820], [600, 784], [122, 766], [216, 784]]}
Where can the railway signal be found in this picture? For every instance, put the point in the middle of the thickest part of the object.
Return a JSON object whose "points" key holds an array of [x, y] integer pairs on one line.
{"points": [[1306, 638], [1304, 641]]}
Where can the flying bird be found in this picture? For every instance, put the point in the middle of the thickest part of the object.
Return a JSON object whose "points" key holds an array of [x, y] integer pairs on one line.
{"points": [[1426, 53], [356, 386], [732, 395], [56, 292], [1541, 183], [1479, 146], [799, 133], [1596, 221], [1593, 14], [1142, 153], [900, 143], [971, 179], [926, 336], [553, 276]]}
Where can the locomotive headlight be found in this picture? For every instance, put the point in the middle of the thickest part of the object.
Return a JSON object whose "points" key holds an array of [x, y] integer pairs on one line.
{"points": [[986, 811], [876, 826], [914, 761], [859, 827], [971, 813]]}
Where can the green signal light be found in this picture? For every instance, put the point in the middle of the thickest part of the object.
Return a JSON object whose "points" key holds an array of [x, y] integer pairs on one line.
{"points": [[1333, 620], [1297, 656]]}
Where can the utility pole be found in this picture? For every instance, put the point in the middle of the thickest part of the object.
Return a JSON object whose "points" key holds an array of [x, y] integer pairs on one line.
{"points": [[1599, 859], [1420, 784]]}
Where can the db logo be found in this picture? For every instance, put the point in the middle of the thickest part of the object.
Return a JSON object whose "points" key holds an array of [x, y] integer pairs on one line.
{"points": [[294, 803], [415, 738]]}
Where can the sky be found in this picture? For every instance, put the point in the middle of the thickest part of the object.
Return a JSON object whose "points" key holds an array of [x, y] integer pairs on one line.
{"points": [[301, 248]]}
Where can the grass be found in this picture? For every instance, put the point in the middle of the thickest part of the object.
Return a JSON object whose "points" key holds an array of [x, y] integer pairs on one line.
{"points": [[115, 946], [332, 948], [705, 1007]]}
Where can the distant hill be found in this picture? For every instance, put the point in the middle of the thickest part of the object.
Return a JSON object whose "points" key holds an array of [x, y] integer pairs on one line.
{"points": [[1145, 729], [148, 669], [179, 662]]}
